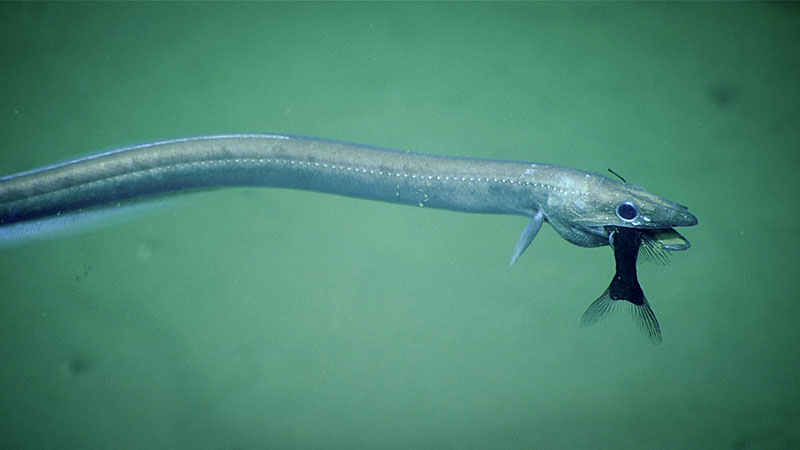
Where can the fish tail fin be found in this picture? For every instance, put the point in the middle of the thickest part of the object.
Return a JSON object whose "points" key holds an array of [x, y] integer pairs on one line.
{"points": [[598, 309], [641, 311]]}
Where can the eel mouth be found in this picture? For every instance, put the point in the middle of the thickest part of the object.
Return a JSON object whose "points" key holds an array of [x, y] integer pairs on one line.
{"points": [[656, 243], [666, 238]]}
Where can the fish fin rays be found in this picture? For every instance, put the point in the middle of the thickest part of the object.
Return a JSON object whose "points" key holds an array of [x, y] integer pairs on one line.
{"points": [[526, 237], [646, 319], [598, 309], [643, 315]]}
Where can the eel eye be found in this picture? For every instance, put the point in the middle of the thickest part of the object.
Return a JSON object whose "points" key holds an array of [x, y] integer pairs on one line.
{"points": [[627, 211]]}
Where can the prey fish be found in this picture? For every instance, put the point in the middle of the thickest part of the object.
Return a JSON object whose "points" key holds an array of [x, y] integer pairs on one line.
{"points": [[628, 243]]}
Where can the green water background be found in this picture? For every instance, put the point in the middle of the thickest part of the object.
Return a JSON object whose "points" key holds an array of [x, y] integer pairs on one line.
{"points": [[256, 318]]}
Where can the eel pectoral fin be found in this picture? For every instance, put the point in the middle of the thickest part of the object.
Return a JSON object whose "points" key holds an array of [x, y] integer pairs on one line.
{"points": [[525, 239]]}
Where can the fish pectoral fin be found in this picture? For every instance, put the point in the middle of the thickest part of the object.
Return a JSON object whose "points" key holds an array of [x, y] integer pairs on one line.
{"points": [[525, 239], [644, 315]]}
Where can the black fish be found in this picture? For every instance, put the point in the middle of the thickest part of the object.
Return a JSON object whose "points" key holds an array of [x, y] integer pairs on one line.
{"points": [[627, 243]]}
